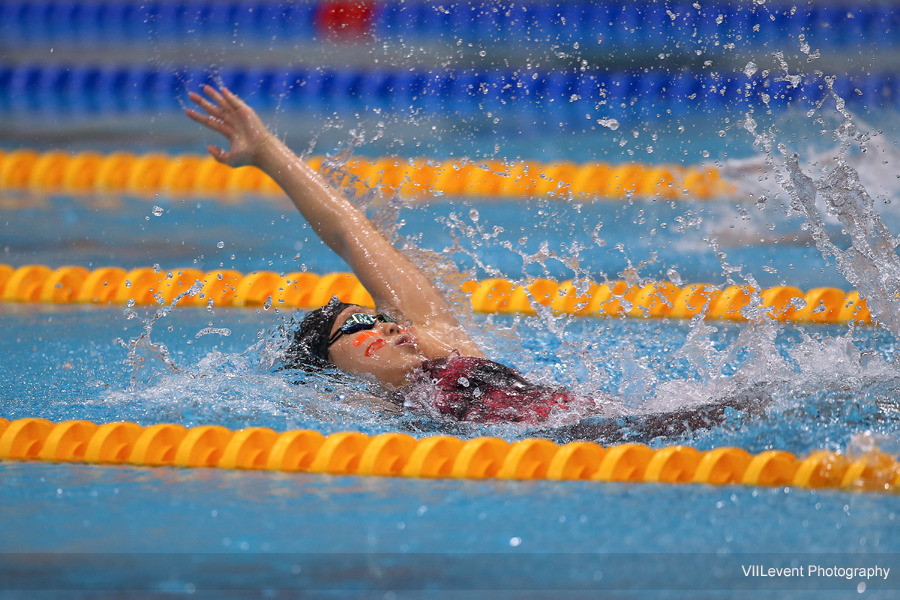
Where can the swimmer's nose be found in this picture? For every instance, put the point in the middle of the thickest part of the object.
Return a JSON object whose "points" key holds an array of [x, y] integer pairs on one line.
{"points": [[391, 329]]}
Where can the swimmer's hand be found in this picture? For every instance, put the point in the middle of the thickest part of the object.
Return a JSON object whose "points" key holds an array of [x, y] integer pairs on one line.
{"points": [[231, 117]]}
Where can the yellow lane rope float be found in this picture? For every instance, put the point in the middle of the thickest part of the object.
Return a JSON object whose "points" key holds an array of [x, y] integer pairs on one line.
{"points": [[149, 286], [124, 172], [401, 455]]}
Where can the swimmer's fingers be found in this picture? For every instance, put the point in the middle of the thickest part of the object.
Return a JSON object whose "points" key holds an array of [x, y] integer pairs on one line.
{"points": [[208, 120], [228, 115], [211, 122], [216, 96], [226, 158], [243, 113], [218, 154], [206, 105], [233, 100]]}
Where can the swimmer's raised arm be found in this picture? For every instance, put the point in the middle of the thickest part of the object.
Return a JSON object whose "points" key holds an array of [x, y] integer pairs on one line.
{"points": [[391, 278]]}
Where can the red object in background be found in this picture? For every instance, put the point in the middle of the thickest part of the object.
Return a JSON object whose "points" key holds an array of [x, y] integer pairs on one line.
{"points": [[341, 19]]}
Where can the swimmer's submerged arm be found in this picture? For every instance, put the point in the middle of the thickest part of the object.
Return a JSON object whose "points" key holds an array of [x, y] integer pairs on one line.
{"points": [[391, 278]]}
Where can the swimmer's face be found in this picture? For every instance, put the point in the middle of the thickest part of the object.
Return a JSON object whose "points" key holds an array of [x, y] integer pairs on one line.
{"points": [[387, 351]]}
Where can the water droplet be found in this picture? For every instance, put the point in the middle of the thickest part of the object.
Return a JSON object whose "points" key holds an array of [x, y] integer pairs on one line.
{"points": [[157, 211], [220, 245], [705, 153], [750, 69], [610, 123]]}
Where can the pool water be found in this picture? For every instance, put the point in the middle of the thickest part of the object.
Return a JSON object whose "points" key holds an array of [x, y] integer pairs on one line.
{"points": [[202, 530], [364, 537]]}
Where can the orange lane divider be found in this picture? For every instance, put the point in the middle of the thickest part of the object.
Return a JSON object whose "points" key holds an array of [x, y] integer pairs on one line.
{"points": [[401, 455], [152, 174], [147, 286]]}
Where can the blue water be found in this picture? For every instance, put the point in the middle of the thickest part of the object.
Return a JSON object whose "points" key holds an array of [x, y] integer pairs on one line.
{"points": [[201, 530], [63, 363], [204, 529], [268, 235], [277, 531]]}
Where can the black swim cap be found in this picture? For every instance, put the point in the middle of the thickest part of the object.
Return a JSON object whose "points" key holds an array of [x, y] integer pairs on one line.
{"points": [[309, 349]]}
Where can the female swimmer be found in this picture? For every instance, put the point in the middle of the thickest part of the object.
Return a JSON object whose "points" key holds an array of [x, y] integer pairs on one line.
{"points": [[411, 342]]}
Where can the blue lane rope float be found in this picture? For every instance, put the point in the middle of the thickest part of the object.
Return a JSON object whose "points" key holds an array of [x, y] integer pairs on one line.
{"points": [[401, 455], [560, 95], [615, 23]]}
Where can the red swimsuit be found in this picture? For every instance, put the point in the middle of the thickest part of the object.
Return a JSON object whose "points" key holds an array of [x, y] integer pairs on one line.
{"points": [[483, 391]]}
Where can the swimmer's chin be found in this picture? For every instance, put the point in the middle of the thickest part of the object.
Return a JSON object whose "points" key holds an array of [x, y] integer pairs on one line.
{"points": [[394, 373]]}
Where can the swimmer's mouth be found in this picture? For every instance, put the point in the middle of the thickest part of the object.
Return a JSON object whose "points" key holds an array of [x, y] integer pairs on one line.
{"points": [[406, 340]]}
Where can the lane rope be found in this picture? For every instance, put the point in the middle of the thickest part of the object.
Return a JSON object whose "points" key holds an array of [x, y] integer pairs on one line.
{"points": [[538, 100], [150, 174], [147, 286], [639, 24], [643, 23], [401, 455]]}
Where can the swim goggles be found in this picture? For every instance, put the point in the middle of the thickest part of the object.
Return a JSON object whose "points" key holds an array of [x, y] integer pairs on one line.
{"points": [[359, 322]]}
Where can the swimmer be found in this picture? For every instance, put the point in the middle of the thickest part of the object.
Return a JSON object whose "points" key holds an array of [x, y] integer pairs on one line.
{"points": [[411, 342]]}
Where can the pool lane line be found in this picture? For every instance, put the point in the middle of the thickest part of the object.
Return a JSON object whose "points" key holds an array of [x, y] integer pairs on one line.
{"points": [[155, 173], [401, 455], [149, 286], [533, 25], [553, 100]]}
